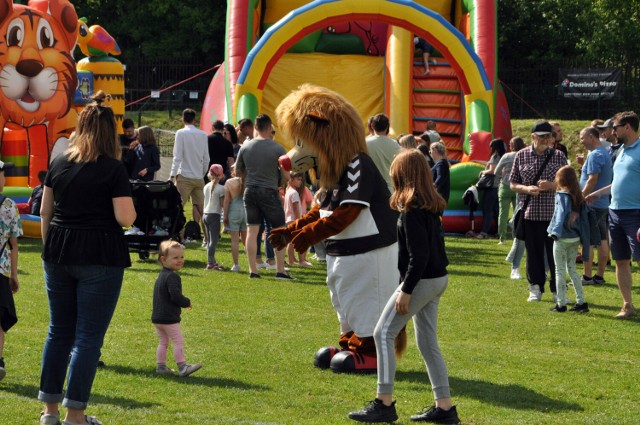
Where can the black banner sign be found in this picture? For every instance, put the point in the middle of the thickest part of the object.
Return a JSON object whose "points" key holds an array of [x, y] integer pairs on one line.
{"points": [[588, 84]]}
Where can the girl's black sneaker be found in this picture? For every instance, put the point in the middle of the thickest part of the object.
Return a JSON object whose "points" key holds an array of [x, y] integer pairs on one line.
{"points": [[580, 308], [437, 415], [374, 412]]}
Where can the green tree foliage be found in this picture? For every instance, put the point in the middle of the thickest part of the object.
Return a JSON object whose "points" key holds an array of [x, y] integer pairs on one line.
{"points": [[540, 33], [552, 33], [615, 34], [192, 30]]}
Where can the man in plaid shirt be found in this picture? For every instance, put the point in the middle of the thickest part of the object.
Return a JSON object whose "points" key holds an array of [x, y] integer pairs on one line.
{"points": [[540, 209]]}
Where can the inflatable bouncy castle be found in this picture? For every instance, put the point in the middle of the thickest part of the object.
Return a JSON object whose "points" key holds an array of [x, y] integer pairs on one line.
{"points": [[365, 51], [42, 90]]}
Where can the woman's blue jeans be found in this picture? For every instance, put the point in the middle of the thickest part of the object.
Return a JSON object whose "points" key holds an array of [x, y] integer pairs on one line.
{"points": [[82, 300]]}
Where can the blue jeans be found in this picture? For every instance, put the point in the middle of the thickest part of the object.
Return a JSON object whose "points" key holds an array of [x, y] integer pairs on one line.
{"points": [[564, 254], [516, 253], [82, 300]]}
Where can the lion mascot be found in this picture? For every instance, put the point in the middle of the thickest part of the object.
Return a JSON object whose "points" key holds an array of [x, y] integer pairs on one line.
{"points": [[354, 219], [38, 78]]}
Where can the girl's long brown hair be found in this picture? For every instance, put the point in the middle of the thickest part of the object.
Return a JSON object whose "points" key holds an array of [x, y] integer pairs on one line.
{"points": [[146, 136], [413, 183], [567, 180], [96, 133]]}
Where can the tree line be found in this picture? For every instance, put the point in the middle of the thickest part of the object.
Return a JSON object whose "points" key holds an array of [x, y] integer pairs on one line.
{"points": [[531, 34]]}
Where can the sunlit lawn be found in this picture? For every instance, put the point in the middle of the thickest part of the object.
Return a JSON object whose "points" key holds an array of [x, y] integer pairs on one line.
{"points": [[510, 362]]}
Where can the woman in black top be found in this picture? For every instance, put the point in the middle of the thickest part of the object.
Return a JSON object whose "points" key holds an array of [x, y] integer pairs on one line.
{"points": [[85, 203], [422, 262], [490, 206]]}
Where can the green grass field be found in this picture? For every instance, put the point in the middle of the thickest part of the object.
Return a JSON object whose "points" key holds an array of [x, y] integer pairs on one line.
{"points": [[510, 362]]}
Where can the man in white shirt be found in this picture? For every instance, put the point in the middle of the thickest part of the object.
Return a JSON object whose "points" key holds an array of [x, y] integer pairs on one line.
{"points": [[190, 163]]}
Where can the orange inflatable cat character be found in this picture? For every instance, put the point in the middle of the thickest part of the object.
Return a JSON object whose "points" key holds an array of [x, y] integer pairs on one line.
{"points": [[38, 77]]}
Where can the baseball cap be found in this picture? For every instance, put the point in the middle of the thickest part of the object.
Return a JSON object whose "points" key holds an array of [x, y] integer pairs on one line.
{"points": [[541, 128], [607, 124], [216, 169], [5, 165]]}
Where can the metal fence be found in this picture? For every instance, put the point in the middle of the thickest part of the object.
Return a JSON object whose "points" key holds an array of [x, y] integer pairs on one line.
{"points": [[142, 77], [530, 93], [164, 141]]}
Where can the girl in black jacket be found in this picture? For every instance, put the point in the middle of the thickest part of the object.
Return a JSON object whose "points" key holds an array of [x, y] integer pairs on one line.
{"points": [[422, 262]]}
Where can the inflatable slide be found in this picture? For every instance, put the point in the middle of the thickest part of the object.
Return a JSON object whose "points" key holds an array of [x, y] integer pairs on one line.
{"points": [[365, 51]]}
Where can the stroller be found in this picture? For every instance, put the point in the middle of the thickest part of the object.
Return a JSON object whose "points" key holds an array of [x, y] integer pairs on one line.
{"points": [[159, 216]]}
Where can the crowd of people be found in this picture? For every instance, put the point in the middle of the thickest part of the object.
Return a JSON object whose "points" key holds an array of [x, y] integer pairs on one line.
{"points": [[232, 177], [562, 211]]}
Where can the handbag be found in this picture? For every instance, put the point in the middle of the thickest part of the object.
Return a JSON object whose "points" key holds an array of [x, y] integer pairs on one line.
{"points": [[518, 218], [486, 181], [518, 224]]}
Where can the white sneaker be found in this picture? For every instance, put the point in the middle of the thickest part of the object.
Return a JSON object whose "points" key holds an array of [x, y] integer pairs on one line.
{"points": [[133, 231], [235, 268], [188, 369], [534, 293], [262, 265], [515, 274]]}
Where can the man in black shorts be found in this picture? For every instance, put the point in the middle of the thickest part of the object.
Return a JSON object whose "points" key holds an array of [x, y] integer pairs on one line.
{"points": [[258, 165]]}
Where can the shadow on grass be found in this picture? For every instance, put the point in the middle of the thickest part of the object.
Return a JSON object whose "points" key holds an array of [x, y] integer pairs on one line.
{"points": [[31, 391], [512, 396], [30, 245], [191, 380]]}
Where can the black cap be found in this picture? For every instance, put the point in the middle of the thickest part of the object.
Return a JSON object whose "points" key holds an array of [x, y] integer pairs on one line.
{"points": [[541, 128], [5, 165]]}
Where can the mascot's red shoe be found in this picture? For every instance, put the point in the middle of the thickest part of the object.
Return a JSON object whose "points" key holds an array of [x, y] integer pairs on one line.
{"points": [[324, 355], [350, 362]]}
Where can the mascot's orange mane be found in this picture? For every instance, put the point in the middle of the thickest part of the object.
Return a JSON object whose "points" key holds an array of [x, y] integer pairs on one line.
{"points": [[38, 77], [325, 121]]}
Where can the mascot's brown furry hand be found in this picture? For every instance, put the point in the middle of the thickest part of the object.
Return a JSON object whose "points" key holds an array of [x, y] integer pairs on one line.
{"points": [[310, 228], [280, 237], [325, 227]]}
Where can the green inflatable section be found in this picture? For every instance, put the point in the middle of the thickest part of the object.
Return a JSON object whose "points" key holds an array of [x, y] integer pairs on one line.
{"points": [[464, 174], [341, 44], [17, 192], [247, 106]]}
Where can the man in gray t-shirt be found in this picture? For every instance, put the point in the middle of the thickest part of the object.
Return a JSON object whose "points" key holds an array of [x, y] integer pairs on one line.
{"points": [[257, 164]]}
